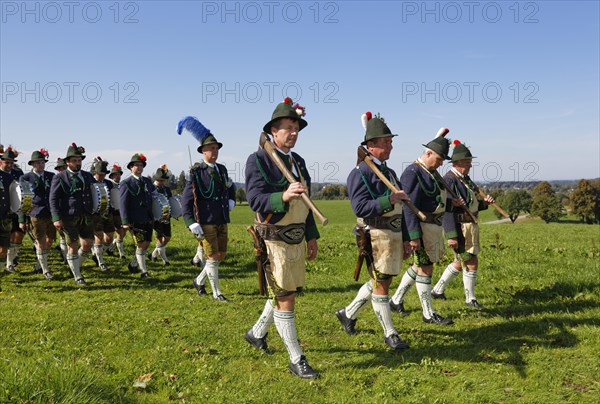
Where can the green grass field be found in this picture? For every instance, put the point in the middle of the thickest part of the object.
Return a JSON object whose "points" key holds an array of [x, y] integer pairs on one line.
{"points": [[122, 339]]}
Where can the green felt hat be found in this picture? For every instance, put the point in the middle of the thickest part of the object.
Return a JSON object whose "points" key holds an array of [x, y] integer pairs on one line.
{"points": [[209, 139], [374, 127], [115, 169], [137, 158], [440, 144], [39, 155], [162, 173], [75, 151], [460, 152], [60, 163], [100, 166], [287, 109], [9, 154]]}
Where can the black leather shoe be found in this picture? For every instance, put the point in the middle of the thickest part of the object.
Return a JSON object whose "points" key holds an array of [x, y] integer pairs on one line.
{"points": [[395, 342], [258, 343], [398, 308], [201, 289], [10, 269], [437, 319], [167, 263], [80, 281], [196, 264], [303, 370], [475, 304], [153, 258], [103, 267], [144, 275], [438, 295], [347, 323], [123, 258], [37, 270], [109, 251], [48, 275], [222, 298], [133, 269]]}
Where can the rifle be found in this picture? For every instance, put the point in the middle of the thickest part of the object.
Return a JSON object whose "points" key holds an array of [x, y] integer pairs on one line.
{"points": [[494, 205], [363, 155], [463, 205], [365, 251], [260, 254], [265, 143]]}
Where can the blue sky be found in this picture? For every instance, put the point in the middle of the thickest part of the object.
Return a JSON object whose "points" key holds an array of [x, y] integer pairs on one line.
{"points": [[516, 81]]}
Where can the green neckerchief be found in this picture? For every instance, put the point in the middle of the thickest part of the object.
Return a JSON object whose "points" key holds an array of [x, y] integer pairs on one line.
{"points": [[75, 181], [141, 187], [371, 191]]}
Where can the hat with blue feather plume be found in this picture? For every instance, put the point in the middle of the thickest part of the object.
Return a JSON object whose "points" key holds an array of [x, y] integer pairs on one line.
{"points": [[191, 125]]}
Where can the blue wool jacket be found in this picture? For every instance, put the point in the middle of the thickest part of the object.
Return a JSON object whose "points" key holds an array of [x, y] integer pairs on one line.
{"points": [[68, 198], [206, 195], [5, 181], [40, 186], [265, 186], [424, 192], [451, 226], [135, 204]]}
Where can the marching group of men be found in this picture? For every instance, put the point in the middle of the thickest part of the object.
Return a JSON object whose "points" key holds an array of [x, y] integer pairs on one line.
{"points": [[398, 218]]}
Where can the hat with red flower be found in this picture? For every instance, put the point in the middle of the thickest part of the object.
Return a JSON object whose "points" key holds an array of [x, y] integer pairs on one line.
{"points": [[39, 155], [375, 127], [115, 169], [287, 109], [8, 154], [460, 151], [75, 151], [162, 173], [137, 158]]}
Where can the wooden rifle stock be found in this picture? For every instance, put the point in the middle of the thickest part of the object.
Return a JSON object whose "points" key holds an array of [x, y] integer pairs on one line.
{"points": [[259, 255], [265, 143], [363, 155], [453, 195]]}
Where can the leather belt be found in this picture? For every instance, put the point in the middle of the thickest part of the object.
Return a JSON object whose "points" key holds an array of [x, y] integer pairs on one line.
{"points": [[393, 223], [290, 234]]}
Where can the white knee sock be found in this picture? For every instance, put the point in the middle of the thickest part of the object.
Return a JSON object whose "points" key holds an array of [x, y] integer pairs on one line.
{"points": [[408, 279], [121, 247], [359, 302], [381, 307], [99, 253], [424, 290], [449, 274], [140, 256], [42, 258], [63, 247], [469, 280], [212, 270], [11, 255], [74, 265], [264, 321], [201, 278], [286, 327]]}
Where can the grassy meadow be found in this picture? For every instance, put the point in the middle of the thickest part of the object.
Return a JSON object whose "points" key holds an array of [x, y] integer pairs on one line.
{"points": [[121, 339]]}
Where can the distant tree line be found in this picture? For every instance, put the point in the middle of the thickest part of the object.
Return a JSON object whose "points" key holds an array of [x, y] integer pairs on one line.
{"points": [[550, 204]]}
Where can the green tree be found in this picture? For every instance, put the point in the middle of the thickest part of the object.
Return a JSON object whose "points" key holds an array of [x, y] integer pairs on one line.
{"points": [[180, 184], [584, 202], [545, 204], [240, 195], [514, 202]]}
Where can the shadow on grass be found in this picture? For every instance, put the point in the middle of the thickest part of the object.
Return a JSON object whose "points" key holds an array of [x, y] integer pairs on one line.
{"points": [[505, 343]]}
